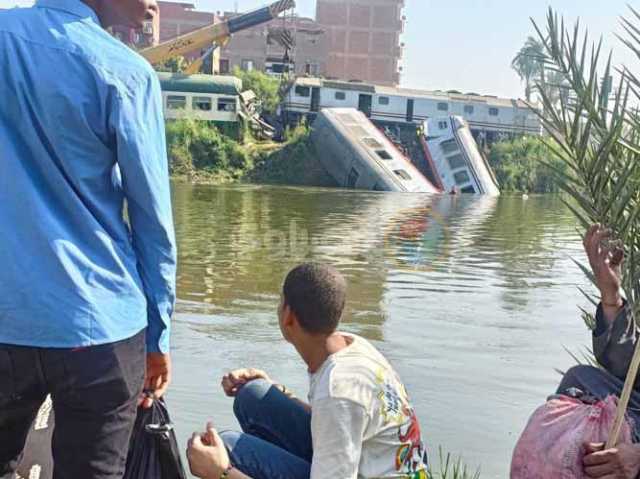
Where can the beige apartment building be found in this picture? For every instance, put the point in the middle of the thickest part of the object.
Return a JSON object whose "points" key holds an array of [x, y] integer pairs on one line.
{"points": [[363, 39]]}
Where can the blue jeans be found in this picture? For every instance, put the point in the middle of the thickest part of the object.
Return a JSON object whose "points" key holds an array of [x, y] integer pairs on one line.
{"points": [[276, 438]]}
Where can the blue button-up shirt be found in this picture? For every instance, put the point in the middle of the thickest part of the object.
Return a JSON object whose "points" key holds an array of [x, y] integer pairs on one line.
{"points": [[81, 131]]}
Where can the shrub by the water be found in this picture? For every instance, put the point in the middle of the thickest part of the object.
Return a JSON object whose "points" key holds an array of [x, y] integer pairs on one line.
{"points": [[199, 147], [519, 165]]}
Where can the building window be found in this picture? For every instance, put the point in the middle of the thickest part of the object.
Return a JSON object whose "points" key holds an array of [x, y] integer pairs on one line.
{"points": [[456, 161], [384, 154], [403, 174], [312, 69], [383, 100], [224, 67], [468, 189], [461, 177], [147, 28], [353, 178], [175, 102], [443, 125], [247, 65], [201, 103], [340, 95], [493, 112], [227, 104], [443, 106], [303, 91], [468, 109], [449, 146]]}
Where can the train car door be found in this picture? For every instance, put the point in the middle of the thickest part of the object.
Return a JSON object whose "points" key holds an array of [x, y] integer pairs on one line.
{"points": [[364, 104], [315, 99], [410, 109]]}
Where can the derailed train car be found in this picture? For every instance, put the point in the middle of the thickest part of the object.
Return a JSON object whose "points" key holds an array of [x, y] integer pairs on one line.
{"points": [[357, 155]]}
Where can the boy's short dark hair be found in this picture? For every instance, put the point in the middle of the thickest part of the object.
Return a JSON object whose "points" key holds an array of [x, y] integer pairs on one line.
{"points": [[316, 293]]}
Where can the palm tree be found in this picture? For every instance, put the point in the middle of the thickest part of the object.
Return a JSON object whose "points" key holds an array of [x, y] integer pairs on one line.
{"points": [[529, 64]]}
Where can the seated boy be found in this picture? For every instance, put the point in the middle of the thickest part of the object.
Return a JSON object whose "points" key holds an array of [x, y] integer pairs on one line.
{"points": [[359, 423]]}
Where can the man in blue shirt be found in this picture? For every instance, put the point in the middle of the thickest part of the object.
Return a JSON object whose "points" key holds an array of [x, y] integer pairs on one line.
{"points": [[85, 294]]}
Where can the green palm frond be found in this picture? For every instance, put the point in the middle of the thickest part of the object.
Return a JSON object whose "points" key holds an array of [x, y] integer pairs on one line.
{"points": [[594, 130]]}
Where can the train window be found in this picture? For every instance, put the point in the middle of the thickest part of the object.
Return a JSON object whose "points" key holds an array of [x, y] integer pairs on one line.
{"points": [[358, 131], [347, 119], [202, 103], [384, 154], [443, 125], [403, 174], [377, 187], [468, 189], [372, 143], [493, 112], [383, 100], [340, 95], [175, 102], [468, 109], [456, 161], [303, 91], [461, 177], [443, 106], [227, 104], [449, 146], [353, 178]]}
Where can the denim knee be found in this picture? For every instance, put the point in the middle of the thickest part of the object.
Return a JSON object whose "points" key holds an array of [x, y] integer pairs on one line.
{"points": [[249, 396], [230, 439]]}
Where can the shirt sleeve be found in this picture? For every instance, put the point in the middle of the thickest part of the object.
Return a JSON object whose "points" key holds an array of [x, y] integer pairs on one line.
{"points": [[337, 429], [138, 122], [614, 344]]}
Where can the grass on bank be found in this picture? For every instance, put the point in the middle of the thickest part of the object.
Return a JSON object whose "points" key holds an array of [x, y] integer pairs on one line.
{"points": [[199, 152]]}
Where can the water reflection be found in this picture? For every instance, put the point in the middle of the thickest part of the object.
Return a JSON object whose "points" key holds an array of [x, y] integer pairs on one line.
{"points": [[462, 293]]}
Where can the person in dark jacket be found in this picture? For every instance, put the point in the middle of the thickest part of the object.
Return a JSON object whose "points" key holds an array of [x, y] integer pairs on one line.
{"points": [[614, 340]]}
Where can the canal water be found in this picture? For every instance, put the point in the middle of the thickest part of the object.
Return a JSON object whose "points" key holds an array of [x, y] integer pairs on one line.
{"points": [[473, 300]]}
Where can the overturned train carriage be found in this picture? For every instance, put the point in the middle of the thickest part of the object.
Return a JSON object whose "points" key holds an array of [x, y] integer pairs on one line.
{"points": [[357, 155]]}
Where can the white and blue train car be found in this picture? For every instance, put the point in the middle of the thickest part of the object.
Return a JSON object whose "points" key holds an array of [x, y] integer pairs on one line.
{"points": [[485, 115]]}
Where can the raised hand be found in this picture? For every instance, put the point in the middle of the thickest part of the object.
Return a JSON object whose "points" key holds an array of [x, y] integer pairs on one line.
{"points": [[605, 258], [233, 381]]}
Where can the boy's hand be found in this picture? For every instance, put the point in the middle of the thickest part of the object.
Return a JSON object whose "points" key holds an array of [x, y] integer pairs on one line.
{"points": [[233, 381], [207, 454]]}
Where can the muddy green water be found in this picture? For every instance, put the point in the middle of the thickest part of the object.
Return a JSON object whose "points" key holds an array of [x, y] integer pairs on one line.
{"points": [[471, 298]]}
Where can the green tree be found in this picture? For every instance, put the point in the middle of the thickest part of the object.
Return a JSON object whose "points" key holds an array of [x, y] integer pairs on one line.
{"points": [[528, 64], [265, 87], [521, 166], [173, 65]]}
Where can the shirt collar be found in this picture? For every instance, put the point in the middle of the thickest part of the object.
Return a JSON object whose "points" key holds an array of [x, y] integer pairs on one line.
{"points": [[74, 7]]}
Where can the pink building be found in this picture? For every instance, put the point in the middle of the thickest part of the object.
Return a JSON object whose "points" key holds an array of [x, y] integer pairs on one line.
{"points": [[178, 18], [364, 39]]}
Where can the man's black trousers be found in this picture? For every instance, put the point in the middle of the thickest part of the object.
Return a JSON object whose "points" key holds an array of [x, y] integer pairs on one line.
{"points": [[94, 392]]}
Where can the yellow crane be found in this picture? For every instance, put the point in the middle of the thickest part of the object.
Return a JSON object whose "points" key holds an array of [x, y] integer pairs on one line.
{"points": [[213, 35]]}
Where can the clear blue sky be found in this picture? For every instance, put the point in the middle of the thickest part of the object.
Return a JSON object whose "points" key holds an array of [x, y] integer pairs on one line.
{"points": [[468, 44]]}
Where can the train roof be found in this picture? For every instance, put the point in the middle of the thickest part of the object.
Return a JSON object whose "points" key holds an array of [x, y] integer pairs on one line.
{"points": [[215, 84], [392, 91]]}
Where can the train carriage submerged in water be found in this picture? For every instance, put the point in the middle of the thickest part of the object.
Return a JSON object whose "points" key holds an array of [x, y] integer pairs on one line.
{"points": [[454, 156], [488, 116], [357, 155]]}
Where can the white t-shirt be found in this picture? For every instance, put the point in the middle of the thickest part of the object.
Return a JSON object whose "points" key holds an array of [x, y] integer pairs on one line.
{"points": [[362, 423]]}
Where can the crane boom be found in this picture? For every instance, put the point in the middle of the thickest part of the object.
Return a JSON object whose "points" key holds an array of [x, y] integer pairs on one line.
{"points": [[216, 33]]}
